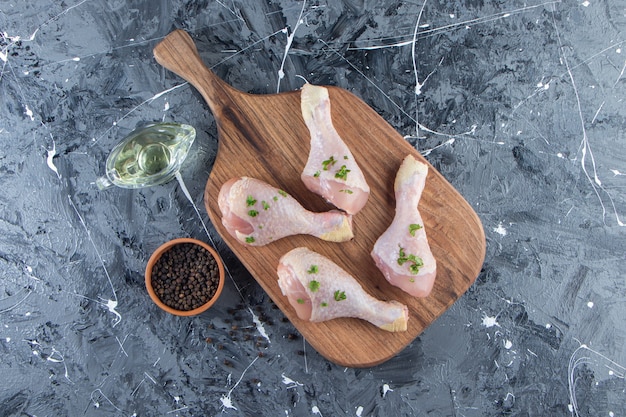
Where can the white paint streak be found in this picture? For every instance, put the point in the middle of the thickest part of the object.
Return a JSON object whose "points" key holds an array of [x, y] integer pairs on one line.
{"points": [[508, 344], [147, 101], [386, 389], [290, 382], [50, 159], [466, 24], [281, 71], [225, 399], [28, 112], [500, 230], [110, 304], [490, 322], [359, 411], [590, 304], [96, 403], [259, 326], [586, 357], [585, 146], [595, 116], [429, 151], [227, 403]]}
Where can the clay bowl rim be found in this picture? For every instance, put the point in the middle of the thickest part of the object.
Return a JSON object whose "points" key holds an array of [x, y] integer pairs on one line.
{"points": [[156, 255]]}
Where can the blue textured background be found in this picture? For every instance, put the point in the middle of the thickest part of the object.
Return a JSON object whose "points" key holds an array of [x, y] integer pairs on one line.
{"points": [[520, 107]]}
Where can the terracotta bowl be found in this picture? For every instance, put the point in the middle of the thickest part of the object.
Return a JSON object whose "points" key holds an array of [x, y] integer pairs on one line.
{"points": [[157, 255]]}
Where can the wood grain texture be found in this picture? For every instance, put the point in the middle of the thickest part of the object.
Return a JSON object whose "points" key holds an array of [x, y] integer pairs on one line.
{"points": [[264, 136]]}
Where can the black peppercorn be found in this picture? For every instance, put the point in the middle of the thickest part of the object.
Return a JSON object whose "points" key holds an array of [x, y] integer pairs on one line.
{"points": [[185, 277]]}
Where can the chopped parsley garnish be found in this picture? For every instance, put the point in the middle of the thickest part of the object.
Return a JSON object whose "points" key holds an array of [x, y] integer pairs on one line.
{"points": [[346, 191], [317, 174], [265, 205], [340, 295], [281, 192], [413, 227], [250, 201], [416, 261], [250, 239], [342, 173], [313, 269], [324, 304], [328, 163], [253, 213], [300, 301], [275, 198], [345, 157], [314, 285]]}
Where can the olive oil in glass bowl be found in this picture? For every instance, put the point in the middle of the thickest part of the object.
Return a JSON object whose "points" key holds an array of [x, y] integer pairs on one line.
{"points": [[150, 155]]}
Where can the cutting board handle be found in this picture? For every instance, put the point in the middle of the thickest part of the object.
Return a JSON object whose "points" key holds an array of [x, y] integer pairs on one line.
{"points": [[177, 52]]}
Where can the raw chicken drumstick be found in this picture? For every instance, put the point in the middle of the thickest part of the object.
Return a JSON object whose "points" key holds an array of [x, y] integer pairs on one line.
{"points": [[320, 290], [402, 252], [331, 170], [255, 213]]}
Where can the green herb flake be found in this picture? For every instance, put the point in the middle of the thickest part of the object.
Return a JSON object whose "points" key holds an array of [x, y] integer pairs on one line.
{"points": [[250, 239], [347, 191], [250, 201], [416, 261], [401, 257], [324, 304], [345, 157], [281, 192], [300, 301], [340, 295], [313, 269], [414, 227], [275, 198], [314, 285], [253, 213], [342, 173], [328, 163], [317, 174], [265, 205]]}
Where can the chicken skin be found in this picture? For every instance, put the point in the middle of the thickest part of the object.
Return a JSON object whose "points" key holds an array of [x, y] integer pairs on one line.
{"points": [[255, 213], [402, 252], [320, 290], [331, 170]]}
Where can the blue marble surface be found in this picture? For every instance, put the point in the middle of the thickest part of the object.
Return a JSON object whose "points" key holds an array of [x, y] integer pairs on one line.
{"points": [[519, 104]]}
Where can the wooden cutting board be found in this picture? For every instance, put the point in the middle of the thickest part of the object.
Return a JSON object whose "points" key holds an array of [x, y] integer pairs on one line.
{"points": [[264, 136]]}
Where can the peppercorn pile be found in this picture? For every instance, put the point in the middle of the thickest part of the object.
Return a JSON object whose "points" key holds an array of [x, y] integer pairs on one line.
{"points": [[185, 277]]}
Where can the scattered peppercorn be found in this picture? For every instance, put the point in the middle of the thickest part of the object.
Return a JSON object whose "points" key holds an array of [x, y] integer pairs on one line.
{"points": [[185, 277]]}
